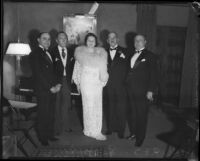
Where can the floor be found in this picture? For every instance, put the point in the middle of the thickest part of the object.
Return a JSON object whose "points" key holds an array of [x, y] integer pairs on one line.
{"points": [[151, 148]]}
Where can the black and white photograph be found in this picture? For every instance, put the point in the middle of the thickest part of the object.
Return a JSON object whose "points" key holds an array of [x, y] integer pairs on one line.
{"points": [[100, 80]]}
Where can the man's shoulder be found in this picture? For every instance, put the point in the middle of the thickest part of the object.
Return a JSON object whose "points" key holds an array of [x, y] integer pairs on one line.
{"points": [[100, 48], [150, 54], [54, 49], [123, 49], [35, 51]]}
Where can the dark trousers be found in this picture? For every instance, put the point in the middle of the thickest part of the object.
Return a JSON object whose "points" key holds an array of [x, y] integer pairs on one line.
{"points": [[137, 113], [45, 116], [63, 108], [116, 109]]}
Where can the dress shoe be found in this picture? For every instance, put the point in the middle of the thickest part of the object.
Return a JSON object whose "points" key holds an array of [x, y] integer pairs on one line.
{"points": [[44, 143], [131, 137], [53, 139]]}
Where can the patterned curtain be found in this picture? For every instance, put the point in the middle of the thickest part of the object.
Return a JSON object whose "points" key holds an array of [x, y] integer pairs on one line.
{"points": [[146, 24], [189, 80]]}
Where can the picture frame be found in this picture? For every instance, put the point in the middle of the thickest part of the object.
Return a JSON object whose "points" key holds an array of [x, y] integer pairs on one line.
{"points": [[76, 26]]}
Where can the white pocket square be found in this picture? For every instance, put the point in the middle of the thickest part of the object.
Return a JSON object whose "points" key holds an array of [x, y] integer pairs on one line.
{"points": [[143, 60], [122, 56], [57, 59], [71, 59]]}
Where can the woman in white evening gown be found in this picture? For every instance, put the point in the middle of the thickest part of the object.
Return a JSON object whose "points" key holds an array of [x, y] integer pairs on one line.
{"points": [[90, 75]]}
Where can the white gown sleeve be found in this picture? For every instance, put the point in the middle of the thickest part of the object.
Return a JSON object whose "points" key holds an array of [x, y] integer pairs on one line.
{"points": [[103, 70], [76, 76]]}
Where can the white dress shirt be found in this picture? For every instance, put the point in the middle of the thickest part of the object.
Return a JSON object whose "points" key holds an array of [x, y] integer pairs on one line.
{"points": [[134, 57], [64, 60], [113, 52], [46, 52]]}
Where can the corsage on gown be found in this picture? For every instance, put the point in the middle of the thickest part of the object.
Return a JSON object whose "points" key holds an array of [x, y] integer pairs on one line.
{"points": [[90, 75]]}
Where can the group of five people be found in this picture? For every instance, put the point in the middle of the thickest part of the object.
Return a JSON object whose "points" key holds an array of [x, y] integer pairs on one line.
{"points": [[111, 81]]}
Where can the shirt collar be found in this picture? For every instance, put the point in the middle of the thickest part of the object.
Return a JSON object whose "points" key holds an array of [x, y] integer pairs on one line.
{"points": [[41, 47], [60, 48], [140, 49], [114, 46]]}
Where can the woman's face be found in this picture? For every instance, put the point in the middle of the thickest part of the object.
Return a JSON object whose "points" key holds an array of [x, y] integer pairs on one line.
{"points": [[91, 42]]}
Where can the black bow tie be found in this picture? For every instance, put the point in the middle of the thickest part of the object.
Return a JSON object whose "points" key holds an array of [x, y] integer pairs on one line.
{"points": [[46, 50], [138, 51], [113, 49]]}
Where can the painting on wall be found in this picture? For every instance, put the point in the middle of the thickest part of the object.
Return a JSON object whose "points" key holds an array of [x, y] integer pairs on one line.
{"points": [[76, 26]]}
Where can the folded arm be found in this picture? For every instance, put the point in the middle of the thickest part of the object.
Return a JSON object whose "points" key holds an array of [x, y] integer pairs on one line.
{"points": [[103, 70], [76, 76]]}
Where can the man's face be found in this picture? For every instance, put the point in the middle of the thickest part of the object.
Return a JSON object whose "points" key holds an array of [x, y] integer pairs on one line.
{"points": [[112, 39], [62, 40], [140, 42], [45, 40]]}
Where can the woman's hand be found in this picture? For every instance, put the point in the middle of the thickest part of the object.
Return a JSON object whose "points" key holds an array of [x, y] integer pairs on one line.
{"points": [[78, 88], [104, 78], [150, 96]]}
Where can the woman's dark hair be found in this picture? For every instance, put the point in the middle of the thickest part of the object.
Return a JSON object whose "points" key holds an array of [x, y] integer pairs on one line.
{"points": [[91, 34]]}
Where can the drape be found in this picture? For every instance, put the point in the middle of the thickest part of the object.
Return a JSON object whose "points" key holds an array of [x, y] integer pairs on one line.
{"points": [[189, 79], [146, 23]]}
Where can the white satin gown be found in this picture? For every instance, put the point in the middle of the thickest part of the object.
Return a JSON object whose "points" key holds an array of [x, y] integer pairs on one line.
{"points": [[90, 75]]}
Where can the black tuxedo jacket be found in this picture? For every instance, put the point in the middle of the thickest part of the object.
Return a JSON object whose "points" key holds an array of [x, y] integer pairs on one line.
{"points": [[117, 68], [143, 76], [42, 71], [59, 68]]}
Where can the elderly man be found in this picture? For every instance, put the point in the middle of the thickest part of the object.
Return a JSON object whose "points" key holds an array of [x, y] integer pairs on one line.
{"points": [[115, 95], [141, 85]]}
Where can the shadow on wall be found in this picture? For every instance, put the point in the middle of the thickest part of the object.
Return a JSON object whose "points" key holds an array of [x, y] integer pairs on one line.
{"points": [[129, 40], [53, 33], [103, 38], [32, 37]]}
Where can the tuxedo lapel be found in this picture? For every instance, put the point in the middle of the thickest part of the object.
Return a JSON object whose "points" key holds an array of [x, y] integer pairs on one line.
{"points": [[111, 62], [138, 61], [58, 54], [109, 57], [46, 57], [68, 59]]}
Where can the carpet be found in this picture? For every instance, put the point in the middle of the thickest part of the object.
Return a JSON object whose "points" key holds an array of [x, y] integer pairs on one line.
{"points": [[74, 151]]}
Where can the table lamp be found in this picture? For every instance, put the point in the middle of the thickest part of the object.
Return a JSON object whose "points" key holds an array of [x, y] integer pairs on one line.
{"points": [[18, 50]]}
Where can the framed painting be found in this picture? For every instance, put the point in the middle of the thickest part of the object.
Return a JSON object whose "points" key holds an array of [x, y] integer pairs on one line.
{"points": [[76, 26]]}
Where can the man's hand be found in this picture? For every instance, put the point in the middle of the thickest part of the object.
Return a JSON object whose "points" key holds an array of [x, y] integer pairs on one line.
{"points": [[150, 96], [53, 90], [79, 89], [58, 86]]}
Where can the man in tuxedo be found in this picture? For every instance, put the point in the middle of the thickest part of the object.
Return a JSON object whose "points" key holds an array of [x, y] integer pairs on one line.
{"points": [[63, 62], [141, 85], [45, 88], [114, 92]]}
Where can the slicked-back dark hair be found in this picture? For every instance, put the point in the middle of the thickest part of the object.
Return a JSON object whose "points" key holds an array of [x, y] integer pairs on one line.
{"points": [[93, 35], [41, 33], [144, 36], [113, 32], [61, 32]]}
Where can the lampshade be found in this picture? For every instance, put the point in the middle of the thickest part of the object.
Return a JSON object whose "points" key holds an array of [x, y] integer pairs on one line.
{"points": [[18, 49]]}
